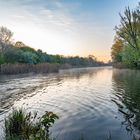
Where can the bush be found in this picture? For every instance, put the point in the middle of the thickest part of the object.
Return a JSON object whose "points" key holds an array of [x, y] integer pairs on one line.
{"points": [[1, 59], [12, 55], [131, 57], [29, 58], [22, 126]]}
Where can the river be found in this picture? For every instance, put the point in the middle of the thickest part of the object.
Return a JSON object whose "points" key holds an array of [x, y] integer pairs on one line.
{"points": [[94, 103]]}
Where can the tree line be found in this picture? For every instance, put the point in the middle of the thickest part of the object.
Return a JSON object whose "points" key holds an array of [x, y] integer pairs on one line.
{"points": [[18, 52], [126, 47]]}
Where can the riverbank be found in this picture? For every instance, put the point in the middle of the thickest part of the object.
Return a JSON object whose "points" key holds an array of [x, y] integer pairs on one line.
{"points": [[119, 65], [27, 68], [19, 68]]}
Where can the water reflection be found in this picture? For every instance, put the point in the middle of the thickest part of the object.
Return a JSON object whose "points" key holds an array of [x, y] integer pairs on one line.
{"points": [[14, 87], [126, 88], [84, 99]]}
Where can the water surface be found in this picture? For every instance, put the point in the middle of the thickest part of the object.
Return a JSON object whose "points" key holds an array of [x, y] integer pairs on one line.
{"points": [[91, 102]]}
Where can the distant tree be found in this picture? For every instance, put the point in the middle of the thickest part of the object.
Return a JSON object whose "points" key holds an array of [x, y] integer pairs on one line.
{"points": [[92, 57], [30, 58], [116, 50], [21, 53], [5, 37], [19, 44], [12, 55], [28, 49]]}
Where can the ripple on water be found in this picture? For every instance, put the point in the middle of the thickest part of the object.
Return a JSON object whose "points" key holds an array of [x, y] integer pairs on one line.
{"points": [[81, 97]]}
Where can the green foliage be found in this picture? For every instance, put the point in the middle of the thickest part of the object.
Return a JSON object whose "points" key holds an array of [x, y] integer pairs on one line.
{"points": [[29, 57], [17, 55], [129, 29], [129, 32], [27, 49], [12, 55], [116, 50], [131, 57], [22, 126], [20, 53], [1, 59]]}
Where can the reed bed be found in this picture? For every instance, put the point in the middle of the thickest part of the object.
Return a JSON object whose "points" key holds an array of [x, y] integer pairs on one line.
{"points": [[27, 68]]}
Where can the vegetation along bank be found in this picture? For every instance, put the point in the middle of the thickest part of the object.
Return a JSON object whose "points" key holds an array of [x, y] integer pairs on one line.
{"points": [[16, 57]]}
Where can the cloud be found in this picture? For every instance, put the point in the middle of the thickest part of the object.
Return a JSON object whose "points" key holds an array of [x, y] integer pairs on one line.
{"points": [[55, 25], [47, 14]]}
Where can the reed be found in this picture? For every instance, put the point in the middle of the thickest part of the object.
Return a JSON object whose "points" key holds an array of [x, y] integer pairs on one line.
{"points": [[27, 68]]}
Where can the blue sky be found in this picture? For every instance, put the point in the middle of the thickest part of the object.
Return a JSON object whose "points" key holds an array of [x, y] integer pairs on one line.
{"points": [[67, 27]]}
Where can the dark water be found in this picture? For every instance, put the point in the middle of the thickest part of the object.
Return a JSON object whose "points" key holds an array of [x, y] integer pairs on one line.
{"points": [[94, 103]]}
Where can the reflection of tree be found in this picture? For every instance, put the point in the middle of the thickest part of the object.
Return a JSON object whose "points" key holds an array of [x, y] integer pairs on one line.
{"points": [[126, 85], [80, 72], [11, 94]]}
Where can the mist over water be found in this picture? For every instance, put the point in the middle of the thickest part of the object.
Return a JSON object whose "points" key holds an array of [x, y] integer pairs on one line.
{"points": [[87, 101]]}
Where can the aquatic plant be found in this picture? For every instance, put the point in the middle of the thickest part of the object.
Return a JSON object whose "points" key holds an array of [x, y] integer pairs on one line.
{"points": [[27, 126]]}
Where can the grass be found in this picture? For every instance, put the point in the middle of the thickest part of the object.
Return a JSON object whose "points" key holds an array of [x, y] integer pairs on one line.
{"points": [[26, 126]]}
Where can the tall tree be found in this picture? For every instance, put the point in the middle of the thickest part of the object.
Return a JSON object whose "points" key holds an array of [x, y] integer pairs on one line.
{"points": [[5, 37], [129, 29]]}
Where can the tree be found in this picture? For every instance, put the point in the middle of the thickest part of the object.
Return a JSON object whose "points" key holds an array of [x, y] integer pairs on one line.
{"points": [[131, 57], [129, 29], [116, 50], [1, 59], [5, 37], [29, 57], [12, 55], [19, 44], [126, 48]]}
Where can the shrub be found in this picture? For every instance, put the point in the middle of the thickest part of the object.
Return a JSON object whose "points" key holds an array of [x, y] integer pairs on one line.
{"points": [[131, 56], [22, 126], [1, 59]]}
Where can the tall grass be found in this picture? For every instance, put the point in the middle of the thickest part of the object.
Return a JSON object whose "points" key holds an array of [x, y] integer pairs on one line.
{"points": [[26, 126], [27, 68]]}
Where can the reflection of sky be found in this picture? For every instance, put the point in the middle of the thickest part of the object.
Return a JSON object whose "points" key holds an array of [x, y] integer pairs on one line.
{"points": [[69, 27]]}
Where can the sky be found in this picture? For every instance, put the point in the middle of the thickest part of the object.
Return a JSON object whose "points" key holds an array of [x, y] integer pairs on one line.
{"points": [[66, 27]]}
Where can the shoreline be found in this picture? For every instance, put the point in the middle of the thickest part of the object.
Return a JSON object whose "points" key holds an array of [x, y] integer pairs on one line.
{"points": [[120, 65], [12, 69], [41, 68]]}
